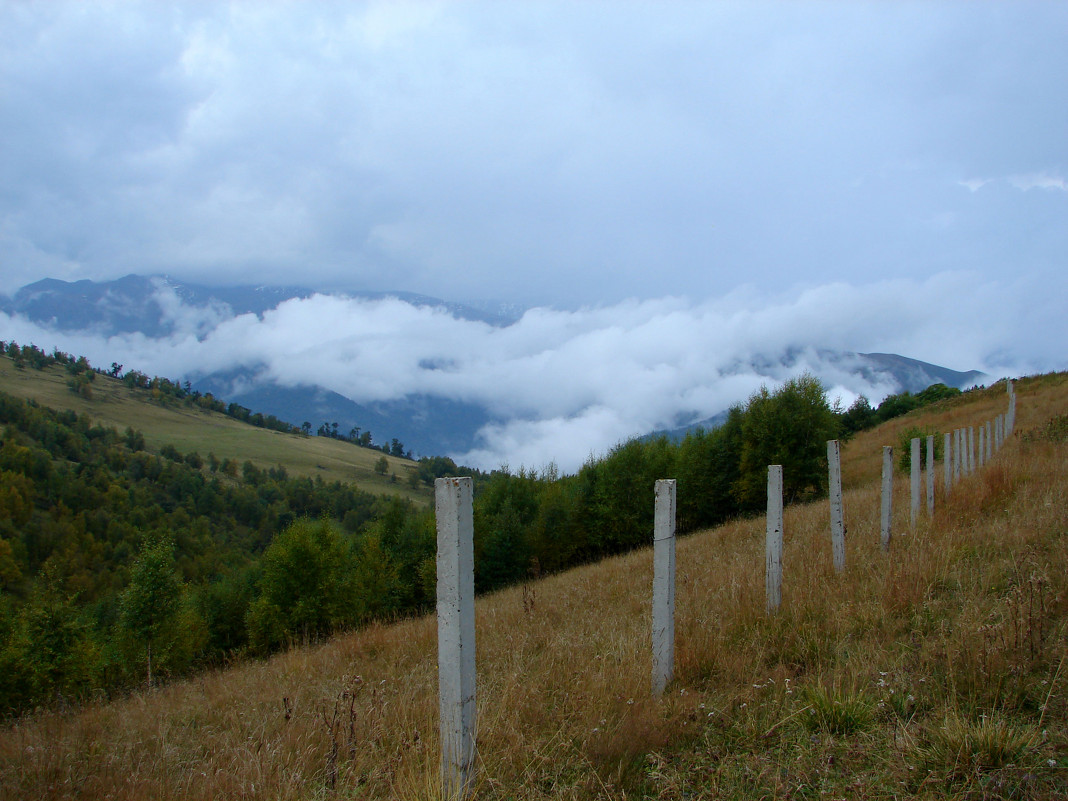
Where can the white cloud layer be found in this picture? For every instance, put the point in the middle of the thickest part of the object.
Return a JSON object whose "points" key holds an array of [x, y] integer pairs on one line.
{"points": [[568, 384], [679, 187]]}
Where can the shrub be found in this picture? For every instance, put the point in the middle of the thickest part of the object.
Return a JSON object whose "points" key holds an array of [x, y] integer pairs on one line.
{"points": [[904, 449]]}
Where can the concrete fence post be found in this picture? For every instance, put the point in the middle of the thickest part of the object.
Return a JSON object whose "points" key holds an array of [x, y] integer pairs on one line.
{"points": [[456, 633], [989, 440], [1010, 413], [773, 550], [834, 468], [914, 481], [957, 455], [888, 496], [663, 585], [930, 474], [979, 451], [947, 462], [971, 449]]}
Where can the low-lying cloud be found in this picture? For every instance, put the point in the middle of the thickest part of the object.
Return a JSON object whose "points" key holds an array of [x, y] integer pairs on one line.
{"points": [[568, 384]]}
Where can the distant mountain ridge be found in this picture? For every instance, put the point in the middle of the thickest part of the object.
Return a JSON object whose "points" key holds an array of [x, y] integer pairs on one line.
{"points": [[425, 424], [132, 304], [910, 375]]}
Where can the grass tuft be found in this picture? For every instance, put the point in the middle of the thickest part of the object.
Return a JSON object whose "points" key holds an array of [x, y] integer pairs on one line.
{"points": [[835, 710], [961, 747]]}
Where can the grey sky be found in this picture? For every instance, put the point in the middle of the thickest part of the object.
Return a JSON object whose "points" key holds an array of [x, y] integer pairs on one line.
{"points": [[675, 175], [542, 153]]}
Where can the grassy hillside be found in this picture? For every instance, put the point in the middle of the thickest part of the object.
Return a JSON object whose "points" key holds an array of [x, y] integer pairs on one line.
{"points": [[937, 671], [193, 429]]}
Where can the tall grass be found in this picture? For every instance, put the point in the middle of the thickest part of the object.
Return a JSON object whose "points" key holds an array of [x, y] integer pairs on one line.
{"points": [[934, 671]]}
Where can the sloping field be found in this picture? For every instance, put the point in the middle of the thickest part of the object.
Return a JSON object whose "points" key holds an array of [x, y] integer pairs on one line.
{"points": [[935, 671], [193, 429]]}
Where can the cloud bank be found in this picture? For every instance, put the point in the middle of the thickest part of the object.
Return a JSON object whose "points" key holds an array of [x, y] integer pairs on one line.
{"points": [[568, 384]]}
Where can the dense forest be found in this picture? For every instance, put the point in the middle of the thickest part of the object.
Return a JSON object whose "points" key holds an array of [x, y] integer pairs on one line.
{"points": [[120, 566]]}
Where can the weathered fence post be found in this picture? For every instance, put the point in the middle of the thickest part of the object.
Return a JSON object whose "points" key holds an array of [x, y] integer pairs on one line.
{"points": [[663, 585], [989, 441], [834, 468], [456, 633], [971, 449], [888, 495], [947, 462], [980, 451], [914, 481], [956, 455], [773, 550], [930, 474]]}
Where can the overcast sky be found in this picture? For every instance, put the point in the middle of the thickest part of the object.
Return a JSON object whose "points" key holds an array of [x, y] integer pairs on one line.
{"points": [[871, 176]]}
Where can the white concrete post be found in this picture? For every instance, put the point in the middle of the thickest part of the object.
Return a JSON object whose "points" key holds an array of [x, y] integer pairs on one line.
{"points": [[980, 450], [947, 462], [456, 633], [956, 455], [989, 440], [834, 468], [663, 585], [971, 449], [888, 495], [914, 481], [773, 550], [930, 474]]}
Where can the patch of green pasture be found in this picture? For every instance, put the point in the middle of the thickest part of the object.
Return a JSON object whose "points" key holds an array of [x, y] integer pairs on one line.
{"points": [[189, 428]]}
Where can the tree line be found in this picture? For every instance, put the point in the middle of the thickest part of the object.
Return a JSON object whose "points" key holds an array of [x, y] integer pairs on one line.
{"points": [[165, 391]]}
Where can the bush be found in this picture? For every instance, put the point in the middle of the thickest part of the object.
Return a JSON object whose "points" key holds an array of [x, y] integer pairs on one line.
{"points": [[904, 448]]}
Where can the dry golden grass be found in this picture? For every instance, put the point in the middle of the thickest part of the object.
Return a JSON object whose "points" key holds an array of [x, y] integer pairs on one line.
{"points": [[936, 671]]}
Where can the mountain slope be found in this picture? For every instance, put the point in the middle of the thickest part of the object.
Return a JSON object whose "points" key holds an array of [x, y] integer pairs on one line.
{"points": [[189, 428], [426, 424], [919, 673]]}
